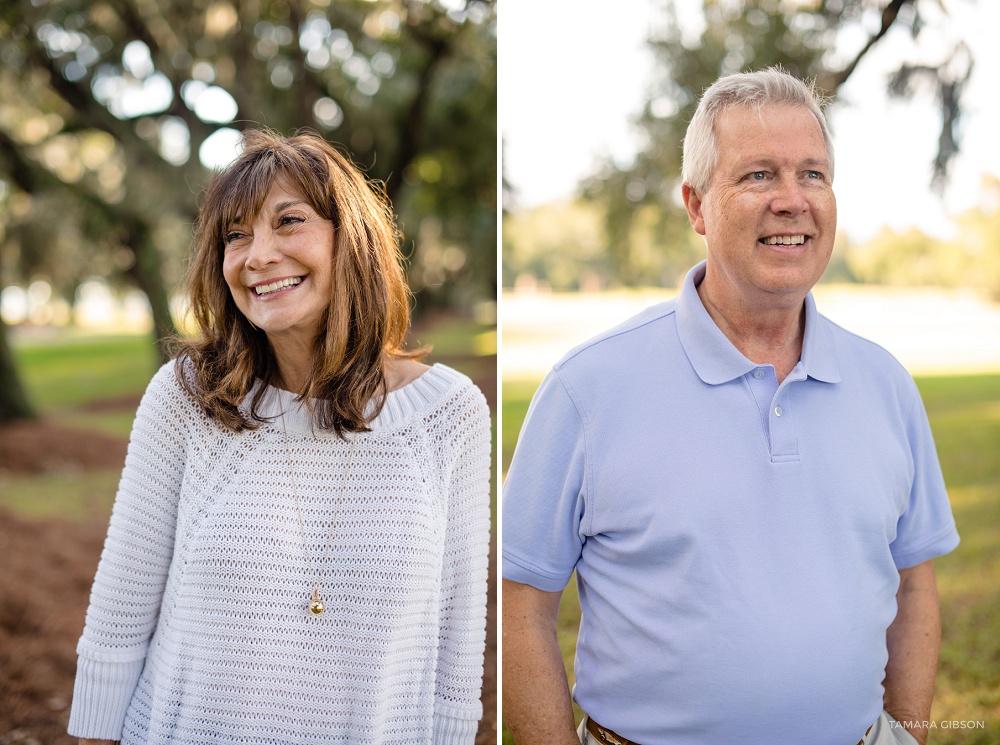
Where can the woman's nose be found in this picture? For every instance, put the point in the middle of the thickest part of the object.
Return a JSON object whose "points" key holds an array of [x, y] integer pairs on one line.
{"points": [[263, 251]]}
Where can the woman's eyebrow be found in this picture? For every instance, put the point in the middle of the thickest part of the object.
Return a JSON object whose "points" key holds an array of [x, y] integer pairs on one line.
{"points": [[238, 219], [286, 204]]}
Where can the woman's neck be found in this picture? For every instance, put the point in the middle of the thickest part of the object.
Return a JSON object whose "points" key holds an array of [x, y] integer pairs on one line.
{"points": [[294, 361]]}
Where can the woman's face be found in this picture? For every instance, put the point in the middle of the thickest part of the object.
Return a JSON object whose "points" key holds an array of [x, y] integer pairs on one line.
{"points": [[279, 266]]}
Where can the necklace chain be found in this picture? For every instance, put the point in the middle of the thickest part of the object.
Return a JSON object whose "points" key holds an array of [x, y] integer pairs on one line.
{"points": [[316, 605]]}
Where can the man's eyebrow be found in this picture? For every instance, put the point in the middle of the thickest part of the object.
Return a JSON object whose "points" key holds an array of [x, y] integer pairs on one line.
{"points": [[761, 160], [770, 161]]}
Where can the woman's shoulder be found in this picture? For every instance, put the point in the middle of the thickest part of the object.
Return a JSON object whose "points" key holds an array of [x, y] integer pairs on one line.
{"points": [[165, 378], [438, 391], [402, 372], [168, 377], [170, 386], [449, 384]]}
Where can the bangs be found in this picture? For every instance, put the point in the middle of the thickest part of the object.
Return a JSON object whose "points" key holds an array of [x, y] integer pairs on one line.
{"points": [[240, 191]]}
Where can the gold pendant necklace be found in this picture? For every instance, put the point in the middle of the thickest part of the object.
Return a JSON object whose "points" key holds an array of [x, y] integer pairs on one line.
{"points": [[316, 605]]}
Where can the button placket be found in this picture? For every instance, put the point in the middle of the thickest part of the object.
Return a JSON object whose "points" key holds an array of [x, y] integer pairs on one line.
{"points": [[763, 387], [783, 440]]}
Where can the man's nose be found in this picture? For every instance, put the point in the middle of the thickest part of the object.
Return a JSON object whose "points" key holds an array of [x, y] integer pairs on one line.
{"points": [[264, 250], [789, 199]]}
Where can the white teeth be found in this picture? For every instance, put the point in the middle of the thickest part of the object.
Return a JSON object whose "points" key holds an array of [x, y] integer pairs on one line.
{"points": [[279, 285], [785, 240]]}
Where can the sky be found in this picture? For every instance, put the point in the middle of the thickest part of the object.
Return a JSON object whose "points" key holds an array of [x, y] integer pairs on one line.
{"points": [[571, 80]]}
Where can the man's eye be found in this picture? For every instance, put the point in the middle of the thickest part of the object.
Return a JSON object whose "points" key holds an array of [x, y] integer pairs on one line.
{"points": [[758, 176], [814, 174]]}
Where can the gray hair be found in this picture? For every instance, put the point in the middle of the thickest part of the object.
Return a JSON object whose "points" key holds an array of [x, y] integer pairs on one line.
{"points": [[768, 87]]}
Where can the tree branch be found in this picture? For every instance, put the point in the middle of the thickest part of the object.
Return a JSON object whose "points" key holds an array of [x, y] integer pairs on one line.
{"points": [[412, 122], [831, 82], [308, 91], [137, 27]]}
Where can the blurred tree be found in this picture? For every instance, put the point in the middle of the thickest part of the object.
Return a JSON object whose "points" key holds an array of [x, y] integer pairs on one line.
{"points": [[804, 38], [557, 242], [971, 259], [563, 245], [14, 403], [113, 112], [978, 241], [910, 258]]}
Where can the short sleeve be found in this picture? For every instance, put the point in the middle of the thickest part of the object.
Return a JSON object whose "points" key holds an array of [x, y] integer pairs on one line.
{"points": [[544, 494], [926, 528]]}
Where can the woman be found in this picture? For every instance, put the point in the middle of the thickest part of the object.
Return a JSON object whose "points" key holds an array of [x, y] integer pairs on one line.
{"points": [[298, 548]]}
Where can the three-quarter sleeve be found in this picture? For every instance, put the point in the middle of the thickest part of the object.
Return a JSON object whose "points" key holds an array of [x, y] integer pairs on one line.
{"points": [[128, 588], [462, 610]]}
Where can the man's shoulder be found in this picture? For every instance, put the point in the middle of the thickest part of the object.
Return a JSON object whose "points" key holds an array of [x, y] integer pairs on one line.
{"points": [[870, 362], [617, 346]]}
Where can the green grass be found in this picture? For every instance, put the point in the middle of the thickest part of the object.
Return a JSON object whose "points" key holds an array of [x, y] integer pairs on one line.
{"points": [[62, 374], [964, 412], [111, 423], [68, 372], [457, 336], [70, 496]]}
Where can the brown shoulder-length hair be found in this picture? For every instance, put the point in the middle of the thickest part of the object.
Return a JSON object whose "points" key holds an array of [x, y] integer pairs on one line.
{"points": [[369, 313]]}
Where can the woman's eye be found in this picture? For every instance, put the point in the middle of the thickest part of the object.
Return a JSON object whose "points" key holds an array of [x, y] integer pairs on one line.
{"points": [[289, 220], [233, 236]]}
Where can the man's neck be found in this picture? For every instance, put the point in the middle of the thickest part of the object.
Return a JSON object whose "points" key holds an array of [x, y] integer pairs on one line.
{"points": [[766, 334]]}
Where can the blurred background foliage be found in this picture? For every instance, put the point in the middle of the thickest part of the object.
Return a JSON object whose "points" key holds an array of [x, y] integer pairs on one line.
{"points": [[627, 225], [113, 113]]}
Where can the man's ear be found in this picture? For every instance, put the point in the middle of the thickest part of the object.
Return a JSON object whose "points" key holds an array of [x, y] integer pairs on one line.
{"points": [[692, 203]]}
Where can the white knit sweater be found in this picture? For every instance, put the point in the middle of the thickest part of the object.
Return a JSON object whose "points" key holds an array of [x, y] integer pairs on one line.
{"points": [[198, 630]]}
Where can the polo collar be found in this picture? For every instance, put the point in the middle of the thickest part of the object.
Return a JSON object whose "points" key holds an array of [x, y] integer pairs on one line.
{"points": [[717, 361]]}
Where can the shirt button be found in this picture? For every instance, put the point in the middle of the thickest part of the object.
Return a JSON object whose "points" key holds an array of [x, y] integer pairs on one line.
{"points": [[758, 374], [777, 411]]}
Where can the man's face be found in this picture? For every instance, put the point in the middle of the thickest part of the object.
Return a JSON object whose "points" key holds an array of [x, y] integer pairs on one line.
{"points": [[769, 215]]}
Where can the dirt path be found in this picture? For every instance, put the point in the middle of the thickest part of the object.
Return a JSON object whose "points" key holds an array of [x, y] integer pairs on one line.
{"points": [[47, 569], [44, 586]]}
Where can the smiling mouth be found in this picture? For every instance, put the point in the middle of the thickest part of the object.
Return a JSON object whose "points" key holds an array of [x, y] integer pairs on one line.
{"points": [[783, 240], [279, 285]]}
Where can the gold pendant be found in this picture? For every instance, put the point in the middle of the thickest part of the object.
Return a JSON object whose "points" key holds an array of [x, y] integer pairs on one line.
{"points": [[316, 605]]}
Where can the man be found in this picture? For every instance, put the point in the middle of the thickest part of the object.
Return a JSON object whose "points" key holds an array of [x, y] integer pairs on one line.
{"points": [[748, 494]]}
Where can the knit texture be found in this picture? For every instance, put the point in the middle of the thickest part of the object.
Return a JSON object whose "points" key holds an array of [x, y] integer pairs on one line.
{"points": [[198, 629]]}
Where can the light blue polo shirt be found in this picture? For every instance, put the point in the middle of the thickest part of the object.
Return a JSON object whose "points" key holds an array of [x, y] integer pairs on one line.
{"points": [[736, 542]]}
